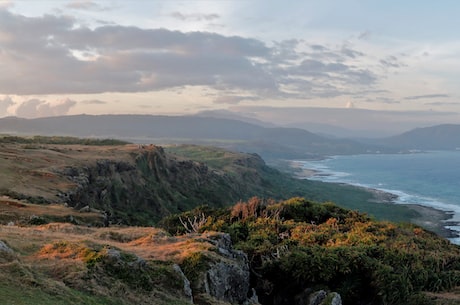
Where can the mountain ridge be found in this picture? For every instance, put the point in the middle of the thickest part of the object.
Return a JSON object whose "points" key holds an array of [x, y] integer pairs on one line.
{"points": [[273, 142], [438, 137]]}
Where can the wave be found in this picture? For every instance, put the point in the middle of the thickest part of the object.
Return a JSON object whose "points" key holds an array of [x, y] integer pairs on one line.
{"points": [[324, 173]]}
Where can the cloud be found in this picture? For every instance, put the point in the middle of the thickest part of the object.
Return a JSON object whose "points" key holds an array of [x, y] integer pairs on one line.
{"points": [[74, 59], [232, 99], [383, 100], [38, 108], [195, 17], [419, 97], [145, 106], [93, 102], [5, 4], [86, 5], [443, 103], [391, 62], [5, 103], [366, 35]]}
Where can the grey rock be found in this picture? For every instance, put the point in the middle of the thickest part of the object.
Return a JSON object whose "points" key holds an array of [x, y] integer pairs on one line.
{"points": [[320, 297], [336, 299], [6, 253], [317, 297], [253, 300], [226, 276], [85, 209], [187, 288], [4, 248]]}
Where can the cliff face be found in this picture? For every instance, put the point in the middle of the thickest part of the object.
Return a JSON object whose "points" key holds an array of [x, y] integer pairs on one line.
{"points": [[152, 184]]}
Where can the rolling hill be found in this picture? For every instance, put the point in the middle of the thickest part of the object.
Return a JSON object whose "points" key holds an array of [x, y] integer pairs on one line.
{"points": [[439, 137], [270, 143]]}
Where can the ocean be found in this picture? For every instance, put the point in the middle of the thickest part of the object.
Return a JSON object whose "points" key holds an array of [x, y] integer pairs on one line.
{"points": [[431, 178]]}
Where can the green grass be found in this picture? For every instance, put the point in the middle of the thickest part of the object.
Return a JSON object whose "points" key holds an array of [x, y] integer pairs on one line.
{"points": [[282, 186], [32, 141], [340, 250], [13, 294]]}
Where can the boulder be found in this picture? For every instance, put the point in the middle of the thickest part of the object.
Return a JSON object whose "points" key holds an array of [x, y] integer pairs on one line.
{"points": [[224, 273], [187, 288], [6, 253], [321, 297]]}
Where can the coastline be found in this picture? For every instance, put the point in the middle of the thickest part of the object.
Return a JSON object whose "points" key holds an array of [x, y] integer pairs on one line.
{"points": [[301, 172], [429, 218], [433, 220]]}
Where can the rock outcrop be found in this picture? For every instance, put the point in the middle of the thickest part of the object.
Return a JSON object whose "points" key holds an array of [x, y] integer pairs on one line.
{"points": [[6, 253], [187, 289], [157, 184], [321, 297], [223, 272]]}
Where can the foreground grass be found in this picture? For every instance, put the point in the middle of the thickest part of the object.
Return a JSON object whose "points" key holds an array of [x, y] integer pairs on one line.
{"points": [[13, 294], [70, 264]]}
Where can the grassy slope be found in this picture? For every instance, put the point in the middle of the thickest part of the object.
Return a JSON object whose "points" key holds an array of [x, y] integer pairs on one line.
{"points": [[64, 264], [297, 243], [30, 279], [28, 172], [285, 187]]}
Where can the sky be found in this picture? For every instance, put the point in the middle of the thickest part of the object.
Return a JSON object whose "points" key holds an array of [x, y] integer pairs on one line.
{"points": [[180, 57]]}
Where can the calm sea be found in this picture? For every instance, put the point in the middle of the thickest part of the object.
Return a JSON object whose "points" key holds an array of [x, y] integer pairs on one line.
{"points": [[430, 179]]}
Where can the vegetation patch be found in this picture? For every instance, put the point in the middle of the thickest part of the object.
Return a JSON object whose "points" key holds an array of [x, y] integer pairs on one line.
{"points": [[298, 243]]}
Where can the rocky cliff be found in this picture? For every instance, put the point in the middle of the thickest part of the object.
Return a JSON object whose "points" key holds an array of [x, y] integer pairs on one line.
{"points": [[152, 184]]}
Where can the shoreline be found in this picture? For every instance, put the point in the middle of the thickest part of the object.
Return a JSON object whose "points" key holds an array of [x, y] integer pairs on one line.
{"points": [[434, 220], [429, 218]]}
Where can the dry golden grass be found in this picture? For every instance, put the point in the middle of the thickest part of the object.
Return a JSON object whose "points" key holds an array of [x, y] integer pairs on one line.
{"points": [[17, 211], [31, 171], [61, 241], [50, 255]]}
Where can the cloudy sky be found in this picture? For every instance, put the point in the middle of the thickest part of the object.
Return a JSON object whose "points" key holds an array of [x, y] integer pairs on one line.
{"points": [[173, 57]]}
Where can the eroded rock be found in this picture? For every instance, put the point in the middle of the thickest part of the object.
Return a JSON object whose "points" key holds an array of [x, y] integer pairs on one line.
{"points": [[6, 253]]}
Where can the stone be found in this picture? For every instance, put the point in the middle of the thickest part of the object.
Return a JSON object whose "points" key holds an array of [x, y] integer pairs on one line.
{"points": [[4, 248], [187, 288], [6, 253], [317, 297], [336, 299], [225, 276]]}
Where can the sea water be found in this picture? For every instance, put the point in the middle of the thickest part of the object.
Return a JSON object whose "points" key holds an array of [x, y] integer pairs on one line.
{"points": [[430, 178]]}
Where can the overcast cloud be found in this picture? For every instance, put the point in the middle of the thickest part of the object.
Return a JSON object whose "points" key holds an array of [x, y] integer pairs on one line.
{"points": [[4, 105], [112, 56], [53, 55], [427, 96], [34, 108]]}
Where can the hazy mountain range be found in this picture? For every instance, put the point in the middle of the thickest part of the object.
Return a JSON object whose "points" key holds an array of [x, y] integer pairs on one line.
{"points": [[256, 137], [346, 122]]}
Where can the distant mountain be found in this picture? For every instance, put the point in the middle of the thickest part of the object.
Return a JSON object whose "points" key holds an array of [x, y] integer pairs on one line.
{"points": [[225, 114], [439, 137], [348, 122], [232, 134]]}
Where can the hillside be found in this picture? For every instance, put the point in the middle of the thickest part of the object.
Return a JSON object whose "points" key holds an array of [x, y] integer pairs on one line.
{"points": [[439, 137], [274, 142], [140, 184], [64, 238], [255, 252], [296, 246]]}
